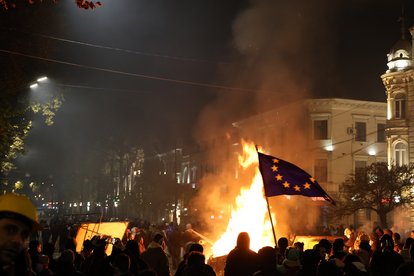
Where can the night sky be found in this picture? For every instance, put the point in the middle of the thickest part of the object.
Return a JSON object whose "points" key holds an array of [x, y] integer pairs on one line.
{"points": [[157, 72]]}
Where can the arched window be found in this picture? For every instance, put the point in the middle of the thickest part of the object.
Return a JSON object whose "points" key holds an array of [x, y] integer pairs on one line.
{"points": [[400, 154], [400, 106]]}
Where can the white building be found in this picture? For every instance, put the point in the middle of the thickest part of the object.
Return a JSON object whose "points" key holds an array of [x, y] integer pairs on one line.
{"points": [[399, 85]]}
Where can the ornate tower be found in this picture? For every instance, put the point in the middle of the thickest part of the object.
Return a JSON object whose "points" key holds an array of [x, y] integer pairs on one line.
{"points": [[399, 85]]}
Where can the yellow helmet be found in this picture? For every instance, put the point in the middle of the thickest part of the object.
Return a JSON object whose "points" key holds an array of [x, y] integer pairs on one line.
{"points": [[21, 205]]}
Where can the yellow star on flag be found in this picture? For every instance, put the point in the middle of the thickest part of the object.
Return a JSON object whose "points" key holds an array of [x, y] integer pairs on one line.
{"points": [[312, 179], [274, 168], [278, 177], [275, 160], [297, 188], [306, 185], [286, 184]]}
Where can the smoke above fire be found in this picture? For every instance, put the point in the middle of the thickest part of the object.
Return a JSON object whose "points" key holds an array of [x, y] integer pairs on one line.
{"points": [[277, 67]]}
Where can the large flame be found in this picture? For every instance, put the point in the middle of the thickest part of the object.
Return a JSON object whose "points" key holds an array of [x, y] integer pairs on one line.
{"points": [[250, 212]]}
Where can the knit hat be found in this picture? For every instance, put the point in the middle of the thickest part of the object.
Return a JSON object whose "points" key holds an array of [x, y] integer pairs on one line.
{"points": [[292, 258]]}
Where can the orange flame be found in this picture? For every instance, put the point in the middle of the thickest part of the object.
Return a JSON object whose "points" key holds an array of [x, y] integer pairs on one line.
{"points": [[250, 213]]}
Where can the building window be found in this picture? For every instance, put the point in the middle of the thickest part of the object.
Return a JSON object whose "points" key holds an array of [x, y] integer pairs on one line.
{"points": [[186, 176], [360, 167], [381, 133], [361, 131], [400, 106], [320, 129], [321, 170], [400, 154]]}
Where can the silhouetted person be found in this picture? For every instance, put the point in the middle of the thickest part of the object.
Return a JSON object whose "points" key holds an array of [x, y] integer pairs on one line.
{"points": [[291, 264], [35, 247], [132, 250], [66, 264], [241, 260], [121, 265], [407, 268], [49, 250], [196, 265], [405, 252], [282, 244], [42, 266], [96, 263], [386, 261], [353, 266], [310, 261], [155, 256], [195, 247], [267, 262]]}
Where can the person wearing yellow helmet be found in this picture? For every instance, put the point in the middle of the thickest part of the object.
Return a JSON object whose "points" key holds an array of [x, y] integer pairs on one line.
{"points": [[18, 218]]}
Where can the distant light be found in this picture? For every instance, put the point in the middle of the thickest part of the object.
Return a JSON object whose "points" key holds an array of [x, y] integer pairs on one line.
{"points": [[329, 148], [34, 85], [372, 152], [42, 79], [397, 199]]}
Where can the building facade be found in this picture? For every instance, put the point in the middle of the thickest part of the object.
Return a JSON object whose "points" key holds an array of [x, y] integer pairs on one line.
{"points": [[399, 85], [330, 138], [398, 81]]}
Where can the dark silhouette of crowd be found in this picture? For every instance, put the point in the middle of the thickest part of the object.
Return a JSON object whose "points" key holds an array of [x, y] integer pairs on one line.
{"points": [[29, 248], [156, 251]]}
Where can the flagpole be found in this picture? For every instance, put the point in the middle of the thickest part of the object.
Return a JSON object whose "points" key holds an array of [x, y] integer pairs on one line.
{"points": [[271, 220], [268, 210]]}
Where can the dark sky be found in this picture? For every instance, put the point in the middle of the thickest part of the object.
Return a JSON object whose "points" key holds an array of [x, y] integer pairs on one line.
{"points": [[155, 72]]}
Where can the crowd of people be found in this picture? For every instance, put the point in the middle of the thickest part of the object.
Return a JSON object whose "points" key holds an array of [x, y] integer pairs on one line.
{"points": [[156, 251]]}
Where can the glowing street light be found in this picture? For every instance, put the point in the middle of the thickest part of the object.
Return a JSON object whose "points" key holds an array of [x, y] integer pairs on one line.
{"points": [[36, 84], [44, 78]]}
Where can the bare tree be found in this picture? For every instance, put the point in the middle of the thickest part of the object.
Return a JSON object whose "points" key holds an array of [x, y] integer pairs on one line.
{"points": [[377, 187]]}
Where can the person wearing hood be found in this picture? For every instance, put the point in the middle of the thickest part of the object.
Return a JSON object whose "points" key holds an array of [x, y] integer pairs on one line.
{"points": [[155, 256], [241, 260]]}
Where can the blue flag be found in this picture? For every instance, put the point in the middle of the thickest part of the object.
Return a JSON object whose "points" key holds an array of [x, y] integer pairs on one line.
{"points": [[284, 178]]}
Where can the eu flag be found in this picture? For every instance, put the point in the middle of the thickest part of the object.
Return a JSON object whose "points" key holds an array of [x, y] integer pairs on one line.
{"points": [[284, 178]]}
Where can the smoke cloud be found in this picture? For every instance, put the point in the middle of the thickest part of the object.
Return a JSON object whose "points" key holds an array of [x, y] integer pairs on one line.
{"points": [[278, 58]]}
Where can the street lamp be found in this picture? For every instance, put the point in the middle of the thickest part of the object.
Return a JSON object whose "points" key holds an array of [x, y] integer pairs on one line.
{"points": [[44, 78], [36, 84]]}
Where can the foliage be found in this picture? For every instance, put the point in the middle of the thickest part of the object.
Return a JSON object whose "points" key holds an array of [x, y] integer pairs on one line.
{"points": [[377, 188], [83, 4], [15, 124]]}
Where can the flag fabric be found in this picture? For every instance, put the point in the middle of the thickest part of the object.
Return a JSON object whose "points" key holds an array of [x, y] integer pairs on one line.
{"points": [[284, 178]]}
